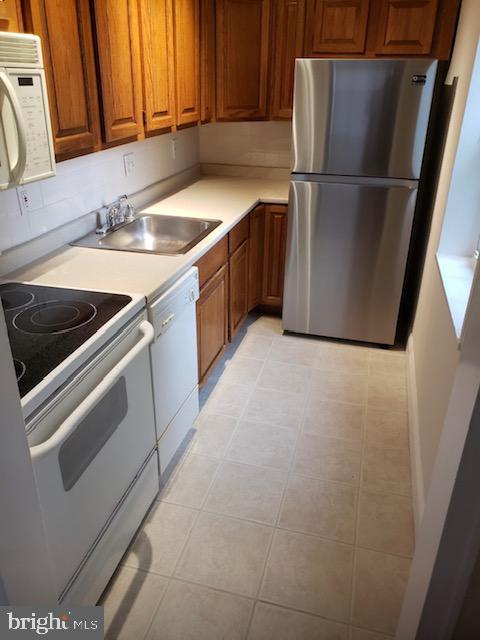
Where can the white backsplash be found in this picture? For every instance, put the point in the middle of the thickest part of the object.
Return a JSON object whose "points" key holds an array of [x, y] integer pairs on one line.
{"points": [[86, 183], [260, 144]]}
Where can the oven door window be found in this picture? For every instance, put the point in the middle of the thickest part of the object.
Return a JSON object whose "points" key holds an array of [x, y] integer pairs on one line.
{"points": [[81, 447]]}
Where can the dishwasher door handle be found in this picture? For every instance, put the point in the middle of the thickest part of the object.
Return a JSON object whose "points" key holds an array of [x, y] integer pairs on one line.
{"points": [[166, 321], [68, 426]]}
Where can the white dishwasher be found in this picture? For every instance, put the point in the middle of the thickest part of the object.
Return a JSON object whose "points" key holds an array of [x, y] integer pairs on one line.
{"points": [[175, 364]]}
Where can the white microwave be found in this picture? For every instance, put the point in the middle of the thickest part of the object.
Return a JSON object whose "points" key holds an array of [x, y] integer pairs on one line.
{"points": [[26, 145]]}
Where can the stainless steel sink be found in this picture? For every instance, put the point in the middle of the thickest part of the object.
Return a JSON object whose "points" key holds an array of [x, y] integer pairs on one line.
{"points": [[153, 234]]}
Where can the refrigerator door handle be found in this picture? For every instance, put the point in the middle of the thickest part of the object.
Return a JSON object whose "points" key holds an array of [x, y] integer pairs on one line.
{"points": [[387, 183]]}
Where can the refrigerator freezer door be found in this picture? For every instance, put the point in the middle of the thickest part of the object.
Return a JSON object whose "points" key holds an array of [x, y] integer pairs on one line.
{"points": [[346, 254], [361, 117]]}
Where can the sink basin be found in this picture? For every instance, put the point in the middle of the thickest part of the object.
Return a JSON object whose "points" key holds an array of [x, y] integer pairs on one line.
{"points": [[153, 234]]}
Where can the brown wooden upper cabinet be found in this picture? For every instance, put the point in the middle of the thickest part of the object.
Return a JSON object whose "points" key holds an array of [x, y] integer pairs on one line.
{"points": [[207, 59], [336, 26], [120, 68], [380, 27], [156, 46], [11, 16], [406, 27], [186, 42], [242, 47], [288, 31], [64, 27]]}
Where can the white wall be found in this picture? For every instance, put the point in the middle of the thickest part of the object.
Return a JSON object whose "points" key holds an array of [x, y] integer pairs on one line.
{"points": [[86, 183], [435, 346], [260, 144], [462, 217]]}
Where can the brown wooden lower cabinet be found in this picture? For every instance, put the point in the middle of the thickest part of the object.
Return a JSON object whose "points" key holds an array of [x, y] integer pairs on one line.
{"points": [[212, 321], [274, 250], [255, 256], [243, 270], [238, 302]]}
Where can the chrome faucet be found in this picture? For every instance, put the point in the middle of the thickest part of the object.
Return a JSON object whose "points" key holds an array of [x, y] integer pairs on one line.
{"points": [[113, 215], [116, 215], [127, 209]]}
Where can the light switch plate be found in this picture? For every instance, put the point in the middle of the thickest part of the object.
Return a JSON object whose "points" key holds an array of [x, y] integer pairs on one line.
{"points": [[30, 197], [129, 164]]}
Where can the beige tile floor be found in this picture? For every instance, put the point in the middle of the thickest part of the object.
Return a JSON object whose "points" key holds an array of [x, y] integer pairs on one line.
{"points": [[289, 515]]}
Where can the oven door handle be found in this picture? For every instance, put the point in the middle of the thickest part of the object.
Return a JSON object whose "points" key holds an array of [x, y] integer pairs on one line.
{"points": [[68, 426], [16, 172]]}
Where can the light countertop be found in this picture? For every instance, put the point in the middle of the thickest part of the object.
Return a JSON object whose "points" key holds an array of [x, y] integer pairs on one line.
{"points": [[222, 198]]}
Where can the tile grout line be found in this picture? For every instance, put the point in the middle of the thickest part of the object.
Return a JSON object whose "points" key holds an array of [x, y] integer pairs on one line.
{"points": [[220, 461], [194, 522], [275, 527], [252, 612], [280, 508], [360, 480], [356, 545], [255, 599], [357, 510], [171, 577]]}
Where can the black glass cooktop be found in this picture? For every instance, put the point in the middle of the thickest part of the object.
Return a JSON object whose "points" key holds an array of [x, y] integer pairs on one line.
{"points": [[46, 324]]}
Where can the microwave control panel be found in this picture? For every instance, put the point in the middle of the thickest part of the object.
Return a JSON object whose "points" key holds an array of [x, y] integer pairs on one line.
{"points": [[28, 88]]}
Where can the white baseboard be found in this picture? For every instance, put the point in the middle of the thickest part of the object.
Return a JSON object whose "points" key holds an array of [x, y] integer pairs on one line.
{"points": [[414, 435]]}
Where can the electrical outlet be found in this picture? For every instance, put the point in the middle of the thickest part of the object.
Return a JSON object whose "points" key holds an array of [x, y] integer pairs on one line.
{"points": [[173, 147], [129, 164], [30, 197]]}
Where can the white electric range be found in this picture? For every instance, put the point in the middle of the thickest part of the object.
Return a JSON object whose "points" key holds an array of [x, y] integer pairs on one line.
{"points": [[83, 369]]}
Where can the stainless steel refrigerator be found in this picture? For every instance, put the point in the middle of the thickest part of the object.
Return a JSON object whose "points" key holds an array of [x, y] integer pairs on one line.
{"points": [[359, 130]]}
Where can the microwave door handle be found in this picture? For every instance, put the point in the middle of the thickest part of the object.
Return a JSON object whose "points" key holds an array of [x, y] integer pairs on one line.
{"points": [[69, 425], [16, 172]]}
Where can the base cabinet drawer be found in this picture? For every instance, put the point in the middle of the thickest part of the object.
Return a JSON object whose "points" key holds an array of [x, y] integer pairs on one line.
{"points": [[211, 262], [212, 321]]}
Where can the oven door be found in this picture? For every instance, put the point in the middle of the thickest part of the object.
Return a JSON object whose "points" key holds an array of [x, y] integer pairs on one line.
{"points": [[93, 455]]}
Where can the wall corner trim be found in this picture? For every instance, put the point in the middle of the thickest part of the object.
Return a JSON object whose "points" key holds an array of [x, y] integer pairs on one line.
{"points": [[418, 492]]}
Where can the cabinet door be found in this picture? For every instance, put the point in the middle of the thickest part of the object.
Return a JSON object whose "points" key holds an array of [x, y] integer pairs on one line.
{"points": [[11, 16], [64, 27], [156, 41], [274, 255], [238, 287], [120, 69], [207, 57], [255, 257], [212, 321], [336, 26], [289, 23], [242, 59], [186, 36], [405, 27]]}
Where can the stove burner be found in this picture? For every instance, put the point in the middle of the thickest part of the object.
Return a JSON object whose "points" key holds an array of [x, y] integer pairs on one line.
{"points": [[16, 298], [55, 316], [20, 368]]}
